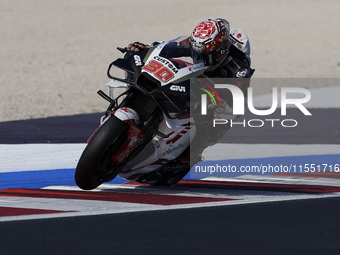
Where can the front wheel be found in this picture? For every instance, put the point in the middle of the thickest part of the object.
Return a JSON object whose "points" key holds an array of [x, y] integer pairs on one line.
{"points": [[95, 164]]}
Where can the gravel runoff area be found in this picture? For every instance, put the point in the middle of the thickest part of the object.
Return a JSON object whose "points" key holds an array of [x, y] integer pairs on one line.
{"points": [[54, 54]]}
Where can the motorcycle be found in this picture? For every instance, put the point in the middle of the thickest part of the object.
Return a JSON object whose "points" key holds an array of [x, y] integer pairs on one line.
{"points": [[146, 131]]}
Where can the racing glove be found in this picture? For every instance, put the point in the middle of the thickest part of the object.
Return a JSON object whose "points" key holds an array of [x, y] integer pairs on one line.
{"points": [[137, 46]]}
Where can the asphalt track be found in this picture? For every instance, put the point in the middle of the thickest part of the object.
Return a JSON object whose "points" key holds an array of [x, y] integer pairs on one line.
{"points": [[321, 128], [308, 226], [294, 227]]}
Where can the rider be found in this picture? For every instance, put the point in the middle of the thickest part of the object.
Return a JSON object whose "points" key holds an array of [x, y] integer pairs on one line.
{"points": [[226, 54]]}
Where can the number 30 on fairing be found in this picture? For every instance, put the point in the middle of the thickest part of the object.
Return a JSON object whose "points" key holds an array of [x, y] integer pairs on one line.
{"points": [[161, 72]]}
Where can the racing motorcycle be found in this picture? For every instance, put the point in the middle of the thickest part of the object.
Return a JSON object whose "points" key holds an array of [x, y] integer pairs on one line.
{"points": [[146, 131]]}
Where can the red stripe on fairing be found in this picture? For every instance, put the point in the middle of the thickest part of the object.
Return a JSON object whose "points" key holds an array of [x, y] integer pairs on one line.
{"points": [[277, 187], [11, 211], [111, 196]]}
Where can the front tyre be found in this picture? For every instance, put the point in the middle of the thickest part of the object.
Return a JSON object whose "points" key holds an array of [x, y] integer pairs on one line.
{"points": [[95, 164]]}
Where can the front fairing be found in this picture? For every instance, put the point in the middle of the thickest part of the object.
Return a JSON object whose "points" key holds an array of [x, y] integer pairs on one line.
{"points": [[163, 72]]}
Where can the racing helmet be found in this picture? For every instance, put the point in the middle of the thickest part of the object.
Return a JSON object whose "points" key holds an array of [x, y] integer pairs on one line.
{"points": [[210, 42]]}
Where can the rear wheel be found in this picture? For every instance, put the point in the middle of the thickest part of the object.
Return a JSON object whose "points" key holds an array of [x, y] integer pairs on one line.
{"points": [[95, 165]]}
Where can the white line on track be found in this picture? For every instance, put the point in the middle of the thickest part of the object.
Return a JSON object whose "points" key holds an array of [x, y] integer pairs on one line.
{"points": [[83, 207], [28, 157]]}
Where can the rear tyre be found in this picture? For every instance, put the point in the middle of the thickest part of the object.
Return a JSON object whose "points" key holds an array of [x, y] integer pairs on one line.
{"points": [[95, 165]]}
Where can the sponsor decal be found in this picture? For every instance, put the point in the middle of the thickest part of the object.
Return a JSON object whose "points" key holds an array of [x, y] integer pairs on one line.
{"points": [[166, 63], [161, 68], [138, 60], [241, 74], [198, 46], [177, 88], [171, 150], [133, 140]]}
